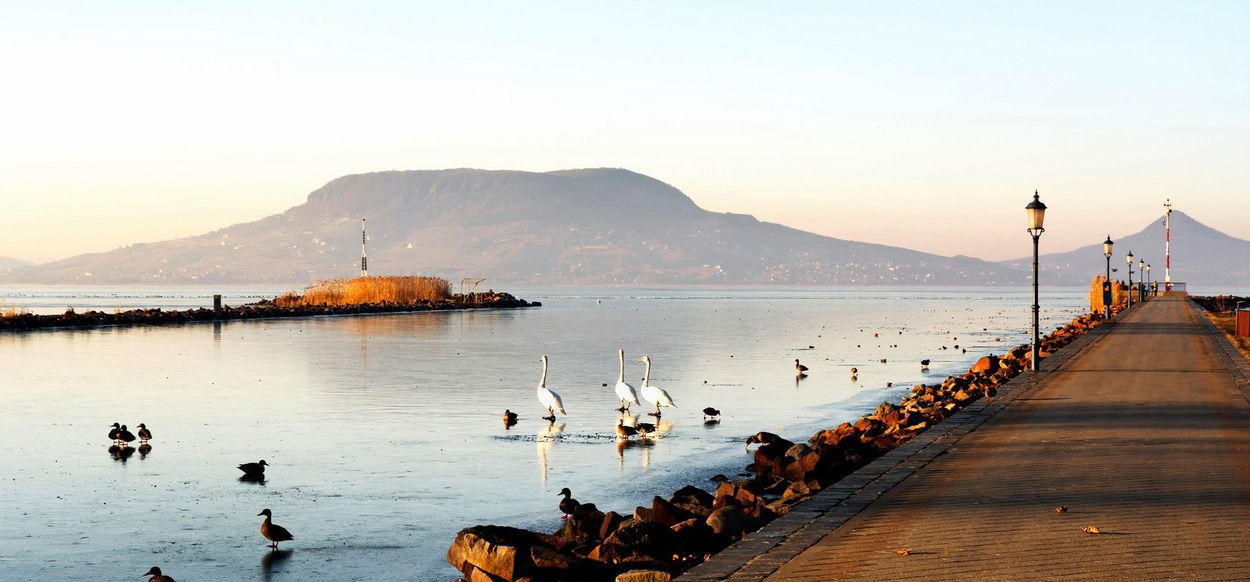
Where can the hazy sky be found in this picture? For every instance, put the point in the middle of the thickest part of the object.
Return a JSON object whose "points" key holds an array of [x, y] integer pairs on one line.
{"points": [[921, 124]]}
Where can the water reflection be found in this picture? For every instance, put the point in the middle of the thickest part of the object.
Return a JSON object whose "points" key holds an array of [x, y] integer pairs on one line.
{"points": [[144, 450], [258, 478], [271, 559], [546, 438], [120, 453]]}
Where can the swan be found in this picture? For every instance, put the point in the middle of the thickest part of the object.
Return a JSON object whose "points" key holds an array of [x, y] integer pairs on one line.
{"points": [[624, 391], [654, 394], [549, 399]]}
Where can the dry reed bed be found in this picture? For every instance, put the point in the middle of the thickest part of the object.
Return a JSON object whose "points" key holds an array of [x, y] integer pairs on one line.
{"points": [[402, 290]]}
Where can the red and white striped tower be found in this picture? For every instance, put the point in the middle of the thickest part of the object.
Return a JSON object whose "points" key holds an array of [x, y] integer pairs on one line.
{"points": [[1167, 245], [364, 259]]}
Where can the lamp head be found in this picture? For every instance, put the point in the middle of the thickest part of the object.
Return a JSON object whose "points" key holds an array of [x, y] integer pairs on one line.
{"points": [[1107, 245], [1037, 215], [1129, 258]]}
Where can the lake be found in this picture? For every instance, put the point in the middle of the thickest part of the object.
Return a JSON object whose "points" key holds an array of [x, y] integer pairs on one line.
{"points": [[384, 433]]}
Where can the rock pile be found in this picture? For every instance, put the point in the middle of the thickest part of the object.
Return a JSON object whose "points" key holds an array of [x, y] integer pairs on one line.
{"points": [[656, 543]]}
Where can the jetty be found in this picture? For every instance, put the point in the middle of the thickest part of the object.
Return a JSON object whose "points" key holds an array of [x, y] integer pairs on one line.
{"points": [[1126, 457]]}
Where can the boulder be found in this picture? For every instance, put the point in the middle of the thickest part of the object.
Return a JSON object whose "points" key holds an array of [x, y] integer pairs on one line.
{"points": [[611, 521], [985, 364], [641, 538], [496, 550], [666, 514], [731, 522], [694, 500], [644, 576]]}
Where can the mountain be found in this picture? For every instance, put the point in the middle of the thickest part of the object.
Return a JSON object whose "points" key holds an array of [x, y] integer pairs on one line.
{"points": [[9, 264], [592, 226], [1200, 254]]}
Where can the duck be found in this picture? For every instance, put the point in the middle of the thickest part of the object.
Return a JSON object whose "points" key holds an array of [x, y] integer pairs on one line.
{"points": [[254, 470], [763, 438], [924, 364], [625, 431], [509, 418], [145, 435], [567, 505], [645, 428], [272, 531], [549, 399], [125, 436], [800, 368], [709, 411], [157, 576], [854, 371], [654, 394], [116, 429]]}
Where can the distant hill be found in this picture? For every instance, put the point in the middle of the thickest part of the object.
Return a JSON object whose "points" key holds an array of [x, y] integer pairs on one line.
{"points": [[1200, 254], [8, 264], [593, 226]]}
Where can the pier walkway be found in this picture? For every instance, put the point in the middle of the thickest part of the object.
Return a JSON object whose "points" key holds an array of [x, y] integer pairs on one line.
{"points": [[1141, 428]]}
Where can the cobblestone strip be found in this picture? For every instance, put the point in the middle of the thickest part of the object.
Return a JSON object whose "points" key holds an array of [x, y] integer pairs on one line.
{"points": [[763, 552], [1232, 357]]}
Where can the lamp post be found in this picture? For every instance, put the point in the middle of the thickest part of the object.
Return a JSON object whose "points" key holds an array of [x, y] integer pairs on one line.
{"points": [[1129, 258], [1149, 281], [1107, 245], [1141, 280], [1037, 213]]}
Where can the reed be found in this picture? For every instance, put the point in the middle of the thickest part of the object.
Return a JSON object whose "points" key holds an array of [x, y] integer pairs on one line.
{"points": [[370, 290]]}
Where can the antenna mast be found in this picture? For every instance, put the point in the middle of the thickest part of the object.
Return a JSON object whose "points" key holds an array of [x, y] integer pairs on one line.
{"points": [[364, 259], [1167, 245]]}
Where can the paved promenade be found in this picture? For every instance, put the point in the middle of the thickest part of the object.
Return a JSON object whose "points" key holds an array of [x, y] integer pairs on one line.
{"points": [[1141, 428]]}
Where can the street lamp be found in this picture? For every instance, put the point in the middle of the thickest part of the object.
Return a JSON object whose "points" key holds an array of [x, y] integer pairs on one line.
{"points": [[1107, 245], [1149, 281], [1141, 280], [1129, 258], [1037, 213]]}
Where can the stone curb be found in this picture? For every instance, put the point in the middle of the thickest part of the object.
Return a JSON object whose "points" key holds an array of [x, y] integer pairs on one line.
{"points": [[1232, 357], [763, 552]]}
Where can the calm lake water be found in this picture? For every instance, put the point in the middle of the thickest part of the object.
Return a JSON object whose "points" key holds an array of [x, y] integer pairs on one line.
{"points": [[384, 433]]}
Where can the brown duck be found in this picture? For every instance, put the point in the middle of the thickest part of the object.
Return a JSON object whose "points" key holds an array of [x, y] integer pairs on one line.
{"points": [[568, 505], [156, 575], [145, 435], [272, 531]]}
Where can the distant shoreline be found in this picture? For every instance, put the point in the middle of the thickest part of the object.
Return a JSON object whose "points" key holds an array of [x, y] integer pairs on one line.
{"points": [[265, 309]]}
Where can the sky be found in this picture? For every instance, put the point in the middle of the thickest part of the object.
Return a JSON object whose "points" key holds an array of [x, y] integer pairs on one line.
{"points": [[920, 124]]}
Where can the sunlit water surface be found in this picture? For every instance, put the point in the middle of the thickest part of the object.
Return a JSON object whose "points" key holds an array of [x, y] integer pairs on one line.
{"points": [[384, 432]]}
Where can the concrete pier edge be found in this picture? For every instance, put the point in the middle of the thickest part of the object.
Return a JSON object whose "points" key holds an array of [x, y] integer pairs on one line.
{"points": [[761, 553]]}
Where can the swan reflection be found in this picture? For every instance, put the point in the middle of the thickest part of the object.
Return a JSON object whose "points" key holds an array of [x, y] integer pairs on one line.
{"points": [[545, 439]]}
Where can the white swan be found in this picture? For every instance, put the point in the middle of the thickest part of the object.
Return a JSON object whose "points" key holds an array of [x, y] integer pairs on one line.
{"points": [[624, 391], [654, 394], [549, 399]]}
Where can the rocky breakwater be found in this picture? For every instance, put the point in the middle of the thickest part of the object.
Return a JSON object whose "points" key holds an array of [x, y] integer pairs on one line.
{"points": [[675, 533], [262, 309]]}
